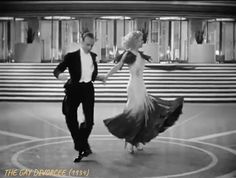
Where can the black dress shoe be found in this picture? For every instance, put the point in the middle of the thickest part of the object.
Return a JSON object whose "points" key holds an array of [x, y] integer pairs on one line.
{"points": [[87, 152], [78, 159], [83, 154]]}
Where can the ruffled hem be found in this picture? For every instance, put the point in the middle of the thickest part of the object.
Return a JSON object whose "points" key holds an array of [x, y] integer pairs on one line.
{"points": [[144, 125]]}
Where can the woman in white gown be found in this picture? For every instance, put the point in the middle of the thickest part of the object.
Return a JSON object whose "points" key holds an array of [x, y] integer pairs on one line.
{"points": [[144, 115]]}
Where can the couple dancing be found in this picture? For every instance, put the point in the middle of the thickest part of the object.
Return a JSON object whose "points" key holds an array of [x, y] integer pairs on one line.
{"points": [[144, 116]]}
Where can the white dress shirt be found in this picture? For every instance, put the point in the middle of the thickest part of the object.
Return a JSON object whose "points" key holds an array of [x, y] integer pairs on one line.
{"points": [[87, 66]]}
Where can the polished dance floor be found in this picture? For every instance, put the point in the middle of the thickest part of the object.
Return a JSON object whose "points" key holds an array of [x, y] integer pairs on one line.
{"points": [[35, 142]]}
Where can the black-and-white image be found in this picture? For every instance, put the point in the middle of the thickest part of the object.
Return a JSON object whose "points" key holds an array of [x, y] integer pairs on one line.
{"points": [[118, 89]]}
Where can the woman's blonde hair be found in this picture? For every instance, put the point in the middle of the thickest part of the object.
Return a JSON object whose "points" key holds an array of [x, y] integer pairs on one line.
{"points": [[129, 41]]}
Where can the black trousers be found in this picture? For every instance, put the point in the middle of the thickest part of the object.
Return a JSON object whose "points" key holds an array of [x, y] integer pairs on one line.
{"points": [[75, 95]]}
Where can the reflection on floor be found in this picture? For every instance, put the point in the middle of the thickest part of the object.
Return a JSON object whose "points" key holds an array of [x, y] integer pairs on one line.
{"points": [[34, 137]]}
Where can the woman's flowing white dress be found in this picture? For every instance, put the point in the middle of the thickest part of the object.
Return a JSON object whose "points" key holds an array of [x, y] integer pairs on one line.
{"points": [[144, 115]]}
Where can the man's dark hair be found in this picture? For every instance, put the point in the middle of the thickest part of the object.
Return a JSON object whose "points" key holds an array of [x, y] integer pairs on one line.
{"points": [[87, 34]]}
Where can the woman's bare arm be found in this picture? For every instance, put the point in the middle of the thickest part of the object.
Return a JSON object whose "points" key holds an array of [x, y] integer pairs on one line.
{"points": [[116, 67]]}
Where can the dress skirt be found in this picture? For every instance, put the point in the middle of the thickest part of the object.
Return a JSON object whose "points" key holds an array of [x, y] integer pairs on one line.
{"points": [[143, 124]]}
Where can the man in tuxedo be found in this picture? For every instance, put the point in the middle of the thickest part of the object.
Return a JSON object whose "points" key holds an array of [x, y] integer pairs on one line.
{"points": [[79, 89]]}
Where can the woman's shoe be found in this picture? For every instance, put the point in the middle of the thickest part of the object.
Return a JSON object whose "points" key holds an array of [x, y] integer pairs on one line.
{"points": [[131, 149], [139, 147]]}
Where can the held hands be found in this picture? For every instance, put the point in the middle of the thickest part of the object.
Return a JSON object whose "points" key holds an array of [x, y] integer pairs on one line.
{"points": [[102, 78]]}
